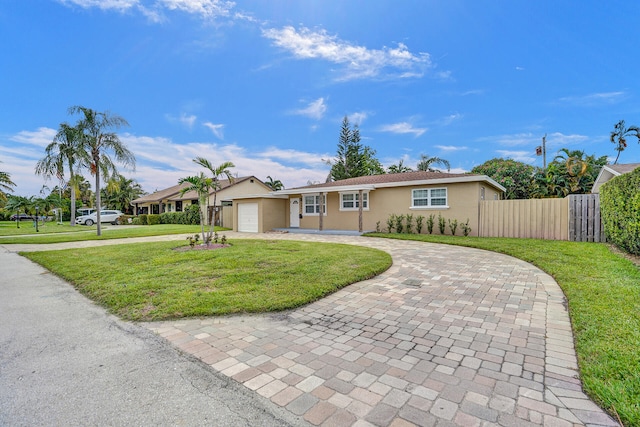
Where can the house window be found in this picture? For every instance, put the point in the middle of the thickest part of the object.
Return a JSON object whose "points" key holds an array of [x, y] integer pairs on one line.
{"points": [[312, 204], [429, 197], [169, 207], [179, 206], [351, 201]]}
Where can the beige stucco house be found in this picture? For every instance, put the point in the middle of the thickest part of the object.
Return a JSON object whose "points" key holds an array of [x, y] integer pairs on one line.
{"points": [[170, 199], [611, 171], [360, 204]]}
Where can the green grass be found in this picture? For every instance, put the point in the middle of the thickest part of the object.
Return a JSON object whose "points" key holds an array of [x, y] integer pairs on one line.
{"points": [[82, 232], [150, 281], [9, 228], [603, 293]]}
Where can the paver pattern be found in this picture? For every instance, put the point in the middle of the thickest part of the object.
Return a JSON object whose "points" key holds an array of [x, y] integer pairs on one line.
{"points": [[446, 336]]}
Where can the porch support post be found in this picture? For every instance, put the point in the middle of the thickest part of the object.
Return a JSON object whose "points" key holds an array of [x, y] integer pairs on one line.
{"points": [[360, 211], [321, 208]]}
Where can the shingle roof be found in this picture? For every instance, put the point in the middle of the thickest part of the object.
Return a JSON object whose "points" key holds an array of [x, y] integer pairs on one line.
{"points": [[161, 195], [388, 178], [223, 183], [624, 168]]}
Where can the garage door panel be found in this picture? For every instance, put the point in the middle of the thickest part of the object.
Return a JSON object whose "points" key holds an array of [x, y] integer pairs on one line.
{"points": [[248, 217]]}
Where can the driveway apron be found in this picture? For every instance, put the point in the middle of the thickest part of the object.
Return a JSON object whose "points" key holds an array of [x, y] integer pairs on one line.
{"points": [[447, 336]]}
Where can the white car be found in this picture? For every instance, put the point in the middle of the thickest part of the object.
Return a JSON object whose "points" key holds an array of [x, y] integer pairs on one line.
{"points": [[111, 216]]}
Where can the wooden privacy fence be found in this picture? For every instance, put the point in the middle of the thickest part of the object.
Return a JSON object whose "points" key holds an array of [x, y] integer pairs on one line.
{"points": [[576, 218]]}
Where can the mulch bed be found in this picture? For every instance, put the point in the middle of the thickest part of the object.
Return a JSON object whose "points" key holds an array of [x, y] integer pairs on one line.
{"points": [[209, 247]]}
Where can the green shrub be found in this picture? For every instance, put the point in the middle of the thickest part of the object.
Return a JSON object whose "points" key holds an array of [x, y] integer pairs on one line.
{"points": [[153, 219], [391, 222], [430, 221], [465, 228], [453, 226], [136, 221], [126, 219], [409, 223], [399, 225], [143, 219], [190, 216], [441, 224], [620, 205], [419, 221]]}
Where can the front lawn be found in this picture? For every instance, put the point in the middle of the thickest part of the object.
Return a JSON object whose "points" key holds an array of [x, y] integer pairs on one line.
{"points": [[151, 281], [83, 232], [9, 228], [603, 293]]}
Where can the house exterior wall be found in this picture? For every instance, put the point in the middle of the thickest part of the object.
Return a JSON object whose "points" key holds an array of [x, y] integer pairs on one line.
{"points": [[462, 204], [272, 213]]}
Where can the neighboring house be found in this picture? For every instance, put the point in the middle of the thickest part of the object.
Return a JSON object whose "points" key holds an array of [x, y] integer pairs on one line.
{"points": [[170, 200], [363, 203], [611, 171]]}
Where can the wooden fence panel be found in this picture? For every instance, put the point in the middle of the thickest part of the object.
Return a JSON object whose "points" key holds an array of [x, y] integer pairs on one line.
{"points": [[585, 223], [531, 218]]}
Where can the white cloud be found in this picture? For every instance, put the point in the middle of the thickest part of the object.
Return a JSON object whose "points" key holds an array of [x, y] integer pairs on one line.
{"points": [[204, 8], [216, 129], [359, 61], [358, 118], [294, 156], [315, 110], [451, 148], [41, 137], [521, 156], [555, 139], [402, 127], [119, 5], [446, 121], [184, 119], [595, 99]]}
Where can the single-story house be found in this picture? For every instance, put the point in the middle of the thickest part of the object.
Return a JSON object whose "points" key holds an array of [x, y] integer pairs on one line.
{"points": [[365, 203], [611, 171], [170, 199]]}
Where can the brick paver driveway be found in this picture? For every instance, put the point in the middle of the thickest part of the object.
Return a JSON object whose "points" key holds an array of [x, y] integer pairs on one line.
{"points": [[446, 336]]}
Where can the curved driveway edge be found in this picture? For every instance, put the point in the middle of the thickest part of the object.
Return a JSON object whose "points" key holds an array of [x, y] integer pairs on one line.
{"points": [[447, 336]]}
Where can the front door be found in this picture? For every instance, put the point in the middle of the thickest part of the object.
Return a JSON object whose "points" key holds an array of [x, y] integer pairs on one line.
{"points": [[294, 213]]}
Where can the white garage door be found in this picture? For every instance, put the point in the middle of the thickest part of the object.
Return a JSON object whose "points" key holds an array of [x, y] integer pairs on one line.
{"points": [[248, 217]]}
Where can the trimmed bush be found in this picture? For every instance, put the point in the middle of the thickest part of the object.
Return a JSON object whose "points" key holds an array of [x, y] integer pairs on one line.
{"points": [[620, 205], [153, 219], [142, 219]]}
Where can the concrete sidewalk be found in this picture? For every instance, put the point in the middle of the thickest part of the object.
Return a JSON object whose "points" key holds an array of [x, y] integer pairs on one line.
{"points": [[66, 362], [447, 336]]}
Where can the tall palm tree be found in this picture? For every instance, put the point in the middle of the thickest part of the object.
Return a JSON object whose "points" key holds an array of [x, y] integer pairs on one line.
{"points": [[65, 151], [425, 163], [5, 185], [216, 172], [201, 184], [97, 142], [275, 185], [619, 136]]}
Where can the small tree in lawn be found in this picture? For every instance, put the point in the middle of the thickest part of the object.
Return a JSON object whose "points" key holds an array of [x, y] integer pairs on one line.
{"points": [[214, 185], [201, 185]]}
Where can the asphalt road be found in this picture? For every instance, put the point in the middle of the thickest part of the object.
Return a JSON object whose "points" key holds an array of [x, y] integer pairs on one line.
{"points": [[65, 361]]}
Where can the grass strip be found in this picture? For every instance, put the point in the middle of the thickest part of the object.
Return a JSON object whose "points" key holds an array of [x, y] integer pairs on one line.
{"points": [[151, 281], [82, 233], [603, 294]]}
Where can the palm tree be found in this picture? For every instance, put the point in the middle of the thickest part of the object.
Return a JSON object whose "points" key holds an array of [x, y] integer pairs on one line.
{"points": [[64, 151], [275, 185], [201, 184], [18, 204], [216, 173], [425, 163], [399, 168], [619, 136], [5, 185], [97, 142], [120, 191]]}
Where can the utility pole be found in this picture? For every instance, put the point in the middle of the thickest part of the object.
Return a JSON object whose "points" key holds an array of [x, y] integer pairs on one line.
{"points": [[541, 150]]}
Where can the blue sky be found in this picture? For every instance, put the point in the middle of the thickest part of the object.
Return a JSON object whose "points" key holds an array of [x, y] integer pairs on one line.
{"points": [[265, 84]]}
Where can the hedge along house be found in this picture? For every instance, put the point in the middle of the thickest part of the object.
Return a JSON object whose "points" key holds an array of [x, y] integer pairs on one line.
{"points": [[170, 199], [365, 203]]}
